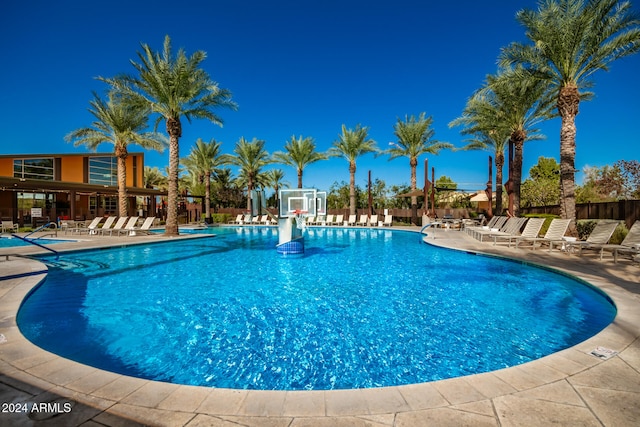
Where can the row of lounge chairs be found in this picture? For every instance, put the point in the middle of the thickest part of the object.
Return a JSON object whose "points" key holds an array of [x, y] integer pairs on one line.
{"points": [[323, 220], [127, 226], [510, 230]]}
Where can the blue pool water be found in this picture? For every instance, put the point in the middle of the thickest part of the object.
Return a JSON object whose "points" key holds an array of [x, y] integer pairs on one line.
{"points": [[361, 308], [9, 242]]}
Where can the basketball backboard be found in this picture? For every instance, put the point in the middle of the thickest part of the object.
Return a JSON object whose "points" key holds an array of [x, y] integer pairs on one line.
{"points": [[297, 200]]}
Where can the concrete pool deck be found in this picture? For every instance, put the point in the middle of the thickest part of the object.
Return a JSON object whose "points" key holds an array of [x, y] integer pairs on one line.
{"points": [[571, 387]]}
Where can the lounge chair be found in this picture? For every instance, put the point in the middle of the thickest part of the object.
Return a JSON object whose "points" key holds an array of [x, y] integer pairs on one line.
{"points": [[531, 230], [264, 219], [599, 237], [388, 221], [145, 228], [238, 220], [118, 226], [495, 222], [107, 224], [364, 220], [351, 220], [131, 224], [310, 220], [339, 220], [320, 220], [373, 221], [92, 228], [511, 227], [554, 234], [630, 244], [9, 226]]}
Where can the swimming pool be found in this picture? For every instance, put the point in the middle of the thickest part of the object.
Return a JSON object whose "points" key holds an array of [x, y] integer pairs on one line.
{"points": [[361, 308], [10, 242]]}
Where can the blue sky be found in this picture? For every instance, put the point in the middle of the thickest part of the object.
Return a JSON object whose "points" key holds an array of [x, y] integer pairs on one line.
{"points": [[296, 68]]}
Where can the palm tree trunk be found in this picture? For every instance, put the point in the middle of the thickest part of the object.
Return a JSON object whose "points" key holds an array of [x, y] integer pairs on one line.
{"points": [[174, 131], [249, 190], [518, 138], [207, 196], [568, 102], [299, 178], [499, 167], [413, 162], [352, 188], [121, 155]]}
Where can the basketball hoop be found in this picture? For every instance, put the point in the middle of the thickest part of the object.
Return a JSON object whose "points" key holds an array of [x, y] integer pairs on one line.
{"points": [[299, 216]]}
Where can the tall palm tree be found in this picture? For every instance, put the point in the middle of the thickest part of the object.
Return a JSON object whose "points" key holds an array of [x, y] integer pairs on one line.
{"points": [[415, 138], [481, 119], [300, 152], [203, 160], [276, 181], [250, 157], [120, 124], [522, 106], [570, 41], [174, 87], [351, 144]]}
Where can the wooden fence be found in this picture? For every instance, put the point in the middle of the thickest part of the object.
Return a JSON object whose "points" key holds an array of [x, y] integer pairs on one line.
{"points": [[623, 210]]}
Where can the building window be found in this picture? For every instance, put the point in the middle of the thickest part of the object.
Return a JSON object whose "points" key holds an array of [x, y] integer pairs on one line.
{"points": [[33, 169], [103, 171], [108, 204]]}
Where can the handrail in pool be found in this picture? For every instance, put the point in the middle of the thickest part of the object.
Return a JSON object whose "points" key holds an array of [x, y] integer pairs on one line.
{"points": [[42, 227], [24, 239]]}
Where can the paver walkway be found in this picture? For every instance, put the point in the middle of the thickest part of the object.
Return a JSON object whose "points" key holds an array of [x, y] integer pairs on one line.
{"points": [[570, 387]]}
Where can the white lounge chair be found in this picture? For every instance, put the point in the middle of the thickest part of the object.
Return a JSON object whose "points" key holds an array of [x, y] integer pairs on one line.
{"points": [[373, 221], [144, 229], [339, 220], [364, 220], [9, 226], [92, 228], [630, 244], [554, 234], [351, 220], [131, 224], [107, 224], [388, 221], [599, 237], [531, 230], [330, 220], [511, 227], [118, 226], [238, 220]]}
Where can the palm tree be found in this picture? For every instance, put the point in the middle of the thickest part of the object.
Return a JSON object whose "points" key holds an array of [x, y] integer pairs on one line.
{"points": [[174, 87], [153, 178], [571, 40], [250, 157], [299, 153], [481, 119], [351, 144], [415, 138], [119, 124], [275, 178], [203, 160], [523, 106]]}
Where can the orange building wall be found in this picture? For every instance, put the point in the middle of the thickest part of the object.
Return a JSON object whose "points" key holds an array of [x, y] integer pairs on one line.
{"points": [[71, 168], [6, 167]]}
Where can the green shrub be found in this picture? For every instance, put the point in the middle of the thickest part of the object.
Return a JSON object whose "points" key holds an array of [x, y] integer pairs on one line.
{"points": [[548, 218], [619, 234], [585, 228], [219, 218]]}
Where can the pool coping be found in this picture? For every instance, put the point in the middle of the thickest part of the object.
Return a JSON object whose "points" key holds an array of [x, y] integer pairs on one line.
{"points": [[559, 387]]}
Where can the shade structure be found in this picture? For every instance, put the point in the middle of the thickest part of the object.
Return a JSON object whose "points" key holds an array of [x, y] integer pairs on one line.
{"points": [[413, 193]]}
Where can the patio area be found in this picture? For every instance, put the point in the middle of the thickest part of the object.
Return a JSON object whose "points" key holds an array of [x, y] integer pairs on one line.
{"points": [[571, 387]]}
